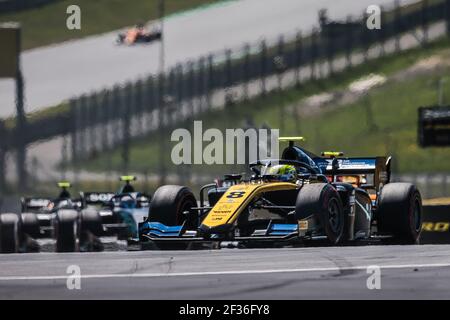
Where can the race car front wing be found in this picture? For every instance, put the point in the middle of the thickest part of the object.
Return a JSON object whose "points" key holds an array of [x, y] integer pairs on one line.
{"points": [[158, 232]]}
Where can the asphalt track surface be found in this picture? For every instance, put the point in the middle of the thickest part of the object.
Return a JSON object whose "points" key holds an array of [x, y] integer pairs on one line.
{"points": [[407, 272], [59, 72]]}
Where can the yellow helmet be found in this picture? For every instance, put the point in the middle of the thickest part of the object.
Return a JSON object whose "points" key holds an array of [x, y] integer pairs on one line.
{"points": [[285, 172]]}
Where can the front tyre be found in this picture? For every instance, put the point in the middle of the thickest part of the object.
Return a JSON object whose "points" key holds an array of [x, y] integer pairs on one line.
{"points": [[169, 203], [10, 226], [322, 201], [400, 212], [168, 206]]}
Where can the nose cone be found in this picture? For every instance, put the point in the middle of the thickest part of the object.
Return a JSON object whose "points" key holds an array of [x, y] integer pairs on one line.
{"points": [[222, 230]]}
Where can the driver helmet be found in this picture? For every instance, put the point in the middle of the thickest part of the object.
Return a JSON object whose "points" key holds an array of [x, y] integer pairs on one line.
{"points": [[284, 172]]}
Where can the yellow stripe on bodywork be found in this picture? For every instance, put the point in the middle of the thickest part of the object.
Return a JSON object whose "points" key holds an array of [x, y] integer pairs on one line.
{"points": [[237, 197]]}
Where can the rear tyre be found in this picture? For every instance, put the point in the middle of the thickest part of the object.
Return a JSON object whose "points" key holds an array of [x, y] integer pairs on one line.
{"points": [[30, 232], [91, 222], [168, 204], [90, 230], [400, 212], [66, 230], [30, 225], [323, 202], [10, 230]]}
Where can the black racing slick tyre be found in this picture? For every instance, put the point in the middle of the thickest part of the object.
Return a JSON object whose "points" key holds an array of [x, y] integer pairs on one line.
{"points": [[10, 231], [91, 222], [399, 212], [322, 201], [30, 225], [91, 229], [66, 230], [168, 204]]}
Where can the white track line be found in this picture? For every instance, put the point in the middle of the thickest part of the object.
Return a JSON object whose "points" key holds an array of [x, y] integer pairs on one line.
{"points": [[231, 272]]}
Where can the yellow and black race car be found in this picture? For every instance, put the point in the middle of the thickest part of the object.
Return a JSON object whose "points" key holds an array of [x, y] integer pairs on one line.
{"points": [[295, 199]]}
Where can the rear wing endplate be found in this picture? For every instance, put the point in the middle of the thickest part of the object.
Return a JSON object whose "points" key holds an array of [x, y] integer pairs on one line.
{"points": [[34, 203], [96, 198]]}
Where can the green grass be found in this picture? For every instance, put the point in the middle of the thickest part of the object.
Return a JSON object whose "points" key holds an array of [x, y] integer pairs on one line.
{"points": [[47, 24], [394, 129]]}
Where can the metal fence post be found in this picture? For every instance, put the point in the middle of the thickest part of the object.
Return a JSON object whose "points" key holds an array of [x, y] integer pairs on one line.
{"points": [[365, 41], [137, 113], [189, 90], [64, 157], [83, 126], [74, 130], [200, 80], [447, 17], [228, 79], [298, 57], [170, 98], [397, 17], [126, 111], [381, 33], [150, 103], [246, 70], [263, 57], [117, 107], [179, 92], [21, 134], [330, 54], [160, 101], [313, 53], [92, 123], [105, 110], [349, 44], [424, 16], [161, 142], [280, 63], [210, 86]]}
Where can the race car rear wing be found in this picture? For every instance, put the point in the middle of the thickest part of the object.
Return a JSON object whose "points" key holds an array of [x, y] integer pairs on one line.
{"points": [[96, 198], [34, 204], [377, 167]]}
